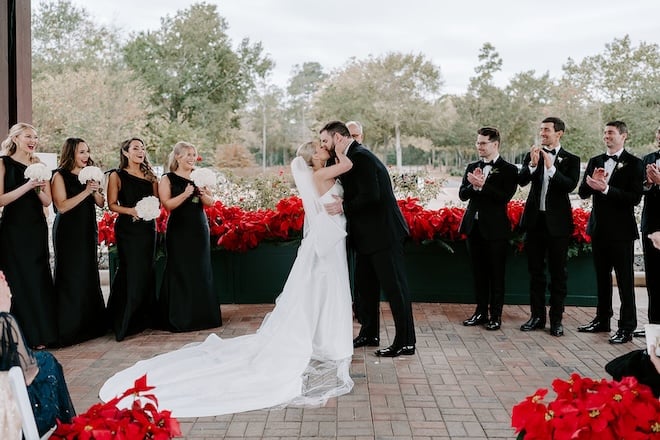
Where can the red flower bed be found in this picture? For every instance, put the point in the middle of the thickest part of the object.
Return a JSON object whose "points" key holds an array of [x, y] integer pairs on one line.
{"points": [[235, 229], [104, 421], [587, 409]]}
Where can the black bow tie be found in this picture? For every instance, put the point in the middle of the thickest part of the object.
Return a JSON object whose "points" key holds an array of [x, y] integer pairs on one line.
{"points": [[614, 157], [484, 163], [553, 151]]}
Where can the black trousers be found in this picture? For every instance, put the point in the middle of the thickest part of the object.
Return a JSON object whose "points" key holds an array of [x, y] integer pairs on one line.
{"points": [[652, 271], [539, 245], [617, 255], [384, 270], [488, 259]]}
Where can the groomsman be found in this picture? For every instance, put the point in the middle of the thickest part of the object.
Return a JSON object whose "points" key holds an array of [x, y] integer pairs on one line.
{"points": [[548, 222], [614, 181], [651, 223], [488, 184]]}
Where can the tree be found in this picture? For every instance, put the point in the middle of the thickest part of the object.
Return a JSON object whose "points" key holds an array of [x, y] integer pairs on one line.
{"points": [[194, 75], [304, 83], [64, 37], [391, 95], [103, 107]]}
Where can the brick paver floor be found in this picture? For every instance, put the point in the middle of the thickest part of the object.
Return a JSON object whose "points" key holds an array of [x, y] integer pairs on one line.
{"points": [[461, 383]]}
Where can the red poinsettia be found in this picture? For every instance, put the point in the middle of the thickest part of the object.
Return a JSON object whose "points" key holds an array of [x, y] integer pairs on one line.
{"points": [[104, 421], [106, 227], [587, 409]]}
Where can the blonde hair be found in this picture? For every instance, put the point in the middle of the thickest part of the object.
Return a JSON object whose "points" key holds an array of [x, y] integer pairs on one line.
{"points": [[178, 150], [9, 146], [306, 151]]}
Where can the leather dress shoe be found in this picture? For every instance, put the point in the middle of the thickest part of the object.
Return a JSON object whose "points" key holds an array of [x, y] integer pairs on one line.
{"points": [[494, 324], [621, 336], [595, 326], [534, 323], [363, 341], [639, 333], [476, 319], [393, 351], [556, 329]]}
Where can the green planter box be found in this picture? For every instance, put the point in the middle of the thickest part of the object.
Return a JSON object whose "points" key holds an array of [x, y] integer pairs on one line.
{"points": [[434, 274]]}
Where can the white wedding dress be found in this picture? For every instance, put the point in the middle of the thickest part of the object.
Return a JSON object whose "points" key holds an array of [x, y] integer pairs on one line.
{"points": [[301, 353]]}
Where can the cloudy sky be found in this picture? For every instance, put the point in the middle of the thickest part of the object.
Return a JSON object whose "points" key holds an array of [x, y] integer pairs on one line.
{"points": [[528, 34]]}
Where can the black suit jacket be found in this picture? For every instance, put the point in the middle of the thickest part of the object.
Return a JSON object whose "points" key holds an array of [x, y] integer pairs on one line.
{"points": [[374, 220], [491, 201], [612, 214], [559, 215], [651, 211]]}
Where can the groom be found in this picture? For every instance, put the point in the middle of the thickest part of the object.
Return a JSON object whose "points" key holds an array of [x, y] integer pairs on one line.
{"points": [[376, 230]]}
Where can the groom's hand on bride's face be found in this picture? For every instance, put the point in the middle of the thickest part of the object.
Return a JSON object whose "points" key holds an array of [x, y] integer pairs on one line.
{"points": [[335, 207]]}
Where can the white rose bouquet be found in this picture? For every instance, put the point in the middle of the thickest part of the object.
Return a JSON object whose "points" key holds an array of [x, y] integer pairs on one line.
{"points": [[148, 208], [203, 177], [90, 173], [38, 172]]}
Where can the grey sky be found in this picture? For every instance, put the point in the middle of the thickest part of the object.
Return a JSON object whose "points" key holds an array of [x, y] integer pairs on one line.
{"points": [[529, 35]]}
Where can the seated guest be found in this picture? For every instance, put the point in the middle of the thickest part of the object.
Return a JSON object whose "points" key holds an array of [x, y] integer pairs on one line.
{"points": [[643, 365], [44, 378]]}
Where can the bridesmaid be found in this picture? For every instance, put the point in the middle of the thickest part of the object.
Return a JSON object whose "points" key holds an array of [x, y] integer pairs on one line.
{"points": [[132, 292], [24, 253], [187, 301], [80, 306]]}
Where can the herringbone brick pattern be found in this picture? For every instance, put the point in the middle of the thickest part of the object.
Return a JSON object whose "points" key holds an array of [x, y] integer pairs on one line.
{"points": [[461, 383]]}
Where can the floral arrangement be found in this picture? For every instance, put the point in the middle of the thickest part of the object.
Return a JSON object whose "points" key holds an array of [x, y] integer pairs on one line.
{"points": [[148, 208], [104, 421], [237, 229], [90, 173], [588, 409], [203, 177], [39, 172]]}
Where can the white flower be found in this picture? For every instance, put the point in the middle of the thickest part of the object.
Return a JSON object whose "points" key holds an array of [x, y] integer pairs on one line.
{"points": [[148, 208], [37, 171], [203, 177], [90, 173], [619, 165]]}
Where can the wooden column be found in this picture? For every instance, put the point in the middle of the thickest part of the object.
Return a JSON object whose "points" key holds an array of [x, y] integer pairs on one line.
{"points": [[15, 63]]}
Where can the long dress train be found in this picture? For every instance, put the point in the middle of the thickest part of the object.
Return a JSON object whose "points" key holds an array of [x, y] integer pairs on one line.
{"points": [[301, 353]]}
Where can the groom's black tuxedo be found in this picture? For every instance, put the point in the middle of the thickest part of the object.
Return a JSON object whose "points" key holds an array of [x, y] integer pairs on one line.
{"points": [[613, 229], [548, 231], [376, 231]]}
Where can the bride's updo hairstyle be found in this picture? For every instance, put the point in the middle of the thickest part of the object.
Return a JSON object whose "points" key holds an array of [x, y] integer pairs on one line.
{"points": [[306, 151]]}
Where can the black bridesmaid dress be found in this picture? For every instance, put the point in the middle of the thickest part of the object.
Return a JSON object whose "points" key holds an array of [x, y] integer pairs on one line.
{"points": [[80, 307], [132, 301], [187, 300], [25, 260]]}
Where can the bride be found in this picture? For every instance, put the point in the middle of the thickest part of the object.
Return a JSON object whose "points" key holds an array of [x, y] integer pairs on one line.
{"points": [[301, 353]]}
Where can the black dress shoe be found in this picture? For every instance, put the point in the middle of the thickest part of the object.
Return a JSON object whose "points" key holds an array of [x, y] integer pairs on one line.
{"points": [[363, 341], [639, 333], [556, 329], [476, 319], [621, 337], [595, 326], [534, 323], [494, 324], [393, 351]]}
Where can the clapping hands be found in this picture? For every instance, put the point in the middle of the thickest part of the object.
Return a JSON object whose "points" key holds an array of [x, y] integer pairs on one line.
{"points": [[598, 180], [476, 178], [652, 174]]}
